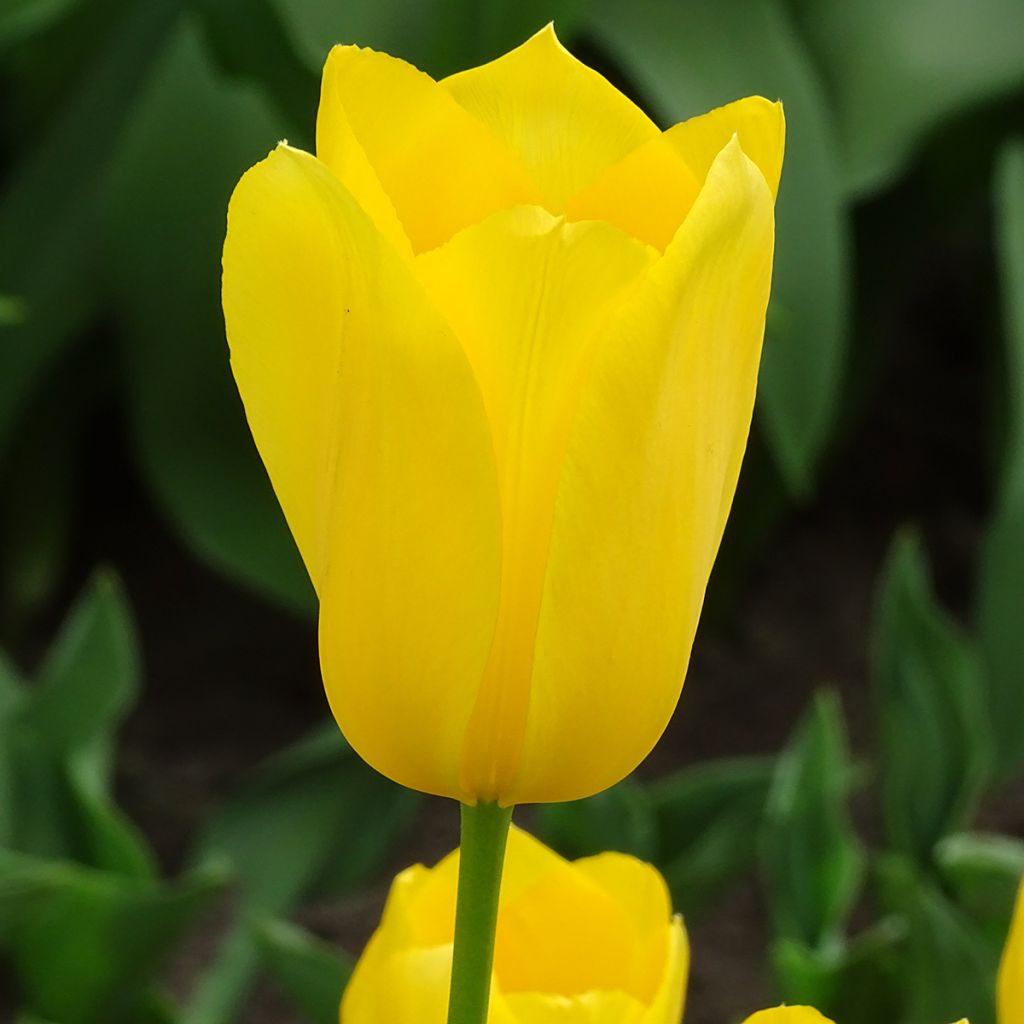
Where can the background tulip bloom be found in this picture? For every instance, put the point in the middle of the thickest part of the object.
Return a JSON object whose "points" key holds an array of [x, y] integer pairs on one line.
{"points": [[498, 347], [1010, 992], [588, 941]]}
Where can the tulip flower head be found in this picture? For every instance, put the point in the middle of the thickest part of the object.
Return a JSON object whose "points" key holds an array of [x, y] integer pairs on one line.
{"points": [[498, 344], [589, 941]]}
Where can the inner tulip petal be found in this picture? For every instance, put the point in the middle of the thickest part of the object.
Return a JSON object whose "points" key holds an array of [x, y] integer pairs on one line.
{"points": [[439, 168], [372, 428], [525, 293], [565, 121], [649, 192], [646, 484]]}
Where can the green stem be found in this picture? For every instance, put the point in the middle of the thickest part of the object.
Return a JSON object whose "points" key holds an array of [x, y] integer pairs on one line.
{"points": [[481, 858]]}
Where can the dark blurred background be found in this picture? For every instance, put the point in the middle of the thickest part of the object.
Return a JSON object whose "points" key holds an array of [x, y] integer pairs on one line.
{"points": [[179, 832]]}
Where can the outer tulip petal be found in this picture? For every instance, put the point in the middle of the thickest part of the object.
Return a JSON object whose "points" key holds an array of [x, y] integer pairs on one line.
{"points": [[1010, 989], [566, 122], [525, 293], [669, 1002], [407, 986], [587, 1008], [673, 167], [642, 892], [788, 1015], [439, 167], [646, 485], [374, 434]]}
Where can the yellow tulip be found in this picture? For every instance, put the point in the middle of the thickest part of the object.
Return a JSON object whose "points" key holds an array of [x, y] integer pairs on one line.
{"points": [[1010, 989], [498, 346], [588, 942], [788, 1015]]}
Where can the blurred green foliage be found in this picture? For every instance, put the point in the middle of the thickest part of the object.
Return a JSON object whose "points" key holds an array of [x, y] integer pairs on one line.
{"points": [[123, 130]]}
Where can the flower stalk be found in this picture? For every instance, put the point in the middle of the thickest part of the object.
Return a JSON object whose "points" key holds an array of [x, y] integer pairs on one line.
{"points": [[481, 859]]}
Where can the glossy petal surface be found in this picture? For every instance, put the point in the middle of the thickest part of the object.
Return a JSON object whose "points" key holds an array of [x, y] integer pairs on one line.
{"points": [[374, 434], [645, 488], [440, 169], [541, 290], [565, 121]]}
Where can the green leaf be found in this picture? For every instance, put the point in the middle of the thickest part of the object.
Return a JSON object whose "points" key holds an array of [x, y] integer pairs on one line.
{"points": [[195, 133], [898, 68], [1001, 577], [437, 36], [21, 19], [947, 970], [312, 973], [48, 212], [934, 739], [90, 677], [688, 58], [708, 818], [56, 739], [12, 310], [857, 982], [983, 872], [102, 936], [811, 860], [313, 818], [620, 818], [252, 40]]}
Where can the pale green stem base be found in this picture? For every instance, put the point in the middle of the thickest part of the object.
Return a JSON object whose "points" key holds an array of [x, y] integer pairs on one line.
{"points": [[481, 858]]}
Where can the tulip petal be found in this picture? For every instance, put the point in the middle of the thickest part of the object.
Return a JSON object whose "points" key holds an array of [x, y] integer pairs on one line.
{"points": [[671, 996], [642, 892], [589, 1008], [650, 191], [647, 194], [759, 124], [440, 169], [375, 437], [1010, 989], [788, 1015], [565, 121], [525, 293], [407, 986], [645, 488]]}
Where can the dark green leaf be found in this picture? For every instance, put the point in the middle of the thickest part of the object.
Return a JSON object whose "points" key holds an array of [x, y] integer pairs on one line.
{"points": [[983, 872], [934, 739], [857, 982], [102, 936], [312, 973], [315, 817], [708, 818], [438, 36], [56, 739], [620, 818], [897, 68], [811, 860], [947, 971], [1001, 579], [194, 135], [48, 213], [20, 19], [687, 58], [90, 677], [264, 53]]}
